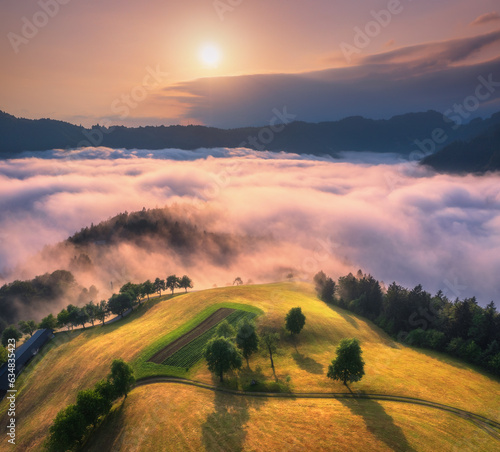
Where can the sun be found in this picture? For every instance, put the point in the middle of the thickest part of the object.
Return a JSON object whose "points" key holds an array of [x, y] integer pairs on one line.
{"points": [[210, 55]]}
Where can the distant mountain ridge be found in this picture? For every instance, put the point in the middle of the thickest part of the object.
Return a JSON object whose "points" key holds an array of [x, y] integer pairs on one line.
{"points": [[400, 134], [478, 155]]}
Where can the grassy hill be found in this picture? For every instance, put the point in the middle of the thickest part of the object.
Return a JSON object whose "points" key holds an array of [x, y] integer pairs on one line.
{"points": [[197, 418]]}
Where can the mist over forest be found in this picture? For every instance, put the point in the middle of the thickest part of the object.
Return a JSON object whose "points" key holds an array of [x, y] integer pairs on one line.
{"points": [[259, 216]]}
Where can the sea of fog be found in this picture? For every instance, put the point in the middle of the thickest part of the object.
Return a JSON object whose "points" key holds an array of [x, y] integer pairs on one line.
{"points": [[390, 217]]}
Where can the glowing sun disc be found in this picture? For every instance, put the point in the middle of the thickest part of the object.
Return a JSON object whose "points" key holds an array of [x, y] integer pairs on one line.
{"points": [[210, 55]]}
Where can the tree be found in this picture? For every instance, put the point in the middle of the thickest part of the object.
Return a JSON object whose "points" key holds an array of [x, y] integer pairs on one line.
{"points": [[63, 319], [122, 377], [72, 423], [28, 327], [119, 303], [237, 281], [11, 332], [172, 283], [73, 315], [269, 341], [92, 405], [186, 283], [325, 287], [147, 289], [80, 316], [222, 356], [224, 329], [67, 429], [159, 285], [295, 320], [105, 389], [92, 310], [49, 322], [349, 365], [246, 339], [102, 311], [133, 289], [4, 354]]}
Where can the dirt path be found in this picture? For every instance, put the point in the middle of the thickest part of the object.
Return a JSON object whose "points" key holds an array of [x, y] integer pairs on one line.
{"points": [[185, 339], [487, 425]]}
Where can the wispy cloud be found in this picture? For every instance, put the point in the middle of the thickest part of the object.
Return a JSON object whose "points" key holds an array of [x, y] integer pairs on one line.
{"points": [[486, 18], [436, 54], [380, 88]]}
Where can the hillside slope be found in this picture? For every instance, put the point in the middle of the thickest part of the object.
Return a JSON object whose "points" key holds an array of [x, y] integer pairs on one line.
{"points": [[76, 360]]}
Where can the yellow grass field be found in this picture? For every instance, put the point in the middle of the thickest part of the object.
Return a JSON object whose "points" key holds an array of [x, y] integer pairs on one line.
{"points": [[77, 360], [170, 417]]}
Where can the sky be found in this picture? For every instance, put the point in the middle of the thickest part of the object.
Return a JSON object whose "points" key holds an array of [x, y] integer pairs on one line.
{"points": [[229, 63], [394, 219]]}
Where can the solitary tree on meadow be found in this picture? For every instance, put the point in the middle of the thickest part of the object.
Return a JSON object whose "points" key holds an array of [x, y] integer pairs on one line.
{"points": [[238, 281], [349, 365], [247, 339], [269, 342], [295, 320], [222, 356]]}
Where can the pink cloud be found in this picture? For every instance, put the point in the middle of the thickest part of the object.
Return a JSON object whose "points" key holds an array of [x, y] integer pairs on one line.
{"points": [[486, 18], [304, 216]]}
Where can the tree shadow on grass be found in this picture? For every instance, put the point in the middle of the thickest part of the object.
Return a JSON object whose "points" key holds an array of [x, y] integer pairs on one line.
{"points": [[379, 423], [308, 364], [224, 428]]}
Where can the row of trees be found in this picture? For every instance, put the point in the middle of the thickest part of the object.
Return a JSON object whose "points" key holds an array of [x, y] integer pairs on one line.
{"points": [[72, 424], [224, 352], [129, 295], [461, 328]]}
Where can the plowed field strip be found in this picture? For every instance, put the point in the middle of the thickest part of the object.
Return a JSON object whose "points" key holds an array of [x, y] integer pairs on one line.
{"points": [[185, 339]]}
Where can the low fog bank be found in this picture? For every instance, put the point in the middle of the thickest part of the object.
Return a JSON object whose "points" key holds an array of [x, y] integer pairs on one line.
{"points": [[285, 214]]}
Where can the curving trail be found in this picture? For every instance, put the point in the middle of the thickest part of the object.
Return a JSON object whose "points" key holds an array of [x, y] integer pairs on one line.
{"points": [[488, 425]]}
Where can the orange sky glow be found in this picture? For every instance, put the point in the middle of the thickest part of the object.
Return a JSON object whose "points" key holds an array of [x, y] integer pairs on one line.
{"points": [[86, 61]]}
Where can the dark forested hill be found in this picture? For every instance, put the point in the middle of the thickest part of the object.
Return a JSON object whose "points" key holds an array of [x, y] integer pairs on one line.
{"points": [[479, 155], [398, 134], [162, 229]]}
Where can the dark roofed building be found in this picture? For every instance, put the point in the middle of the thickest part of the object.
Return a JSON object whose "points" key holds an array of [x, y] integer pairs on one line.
{"points": [[23, 355]]}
